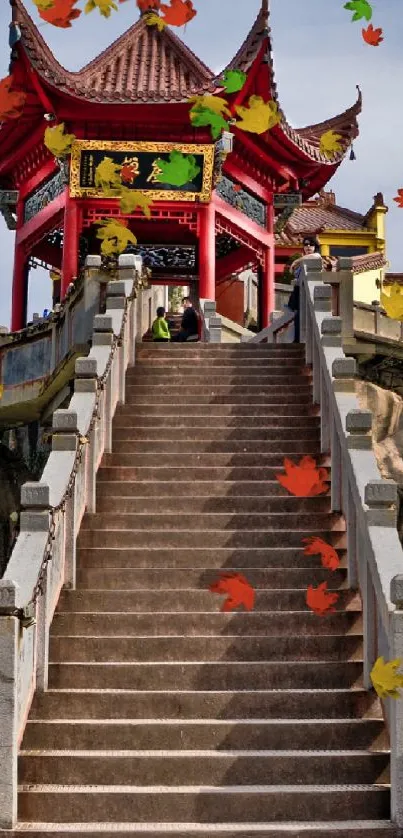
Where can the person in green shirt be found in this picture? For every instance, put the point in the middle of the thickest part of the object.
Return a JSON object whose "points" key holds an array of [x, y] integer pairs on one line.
{"points": [[160, 328]]}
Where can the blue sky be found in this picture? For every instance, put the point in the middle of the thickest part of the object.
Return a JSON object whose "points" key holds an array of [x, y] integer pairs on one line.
{"points": [[319, 57]]}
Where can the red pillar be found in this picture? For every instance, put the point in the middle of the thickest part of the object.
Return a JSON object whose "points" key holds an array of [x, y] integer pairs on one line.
{"points": [[70, 245], [268, 273], [19, 292], [207, 252]]}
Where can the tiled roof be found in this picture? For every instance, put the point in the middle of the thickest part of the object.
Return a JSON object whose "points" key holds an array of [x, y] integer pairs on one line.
{"points": [[391, 279], [368, 262], [318, 216]]}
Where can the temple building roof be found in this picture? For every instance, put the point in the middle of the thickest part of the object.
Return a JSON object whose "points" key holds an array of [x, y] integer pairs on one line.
{"points": [[319, 215], [145, 65]]}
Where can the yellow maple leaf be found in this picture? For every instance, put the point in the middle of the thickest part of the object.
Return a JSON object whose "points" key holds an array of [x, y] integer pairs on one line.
{"points": [[57, 141], [259, 117], [393, 302], [132, 198], [386, 679], [115, 236], [105, 7], [330, 143], [107, 175], [43, 4], [155, 20], [212, 103]]}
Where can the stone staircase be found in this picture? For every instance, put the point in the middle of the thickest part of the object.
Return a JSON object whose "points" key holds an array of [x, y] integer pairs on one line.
{"points": [[163, 715]]}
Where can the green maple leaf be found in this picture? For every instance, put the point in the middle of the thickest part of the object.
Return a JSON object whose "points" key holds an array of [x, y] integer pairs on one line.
{"points": [[234, 80], [179, 169], [361, 9], [204, 116]]}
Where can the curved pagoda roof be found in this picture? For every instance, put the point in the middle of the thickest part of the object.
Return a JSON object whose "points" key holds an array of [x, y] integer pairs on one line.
{"points": [[146, 66]]}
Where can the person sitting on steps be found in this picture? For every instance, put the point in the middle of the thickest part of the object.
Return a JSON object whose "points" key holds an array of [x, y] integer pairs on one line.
{"points": [[190, 323], [160, 328]]}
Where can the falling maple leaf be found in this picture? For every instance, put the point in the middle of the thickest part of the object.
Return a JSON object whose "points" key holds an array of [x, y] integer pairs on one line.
{"points": [[237, 187], [58, 143], [385, 678], [361, 9], [131, 198], [304, 480], [127, 173], [107, 175], [372, 36], [43, 4], [105, 7], [61, 13], [155, 20], [178, 13], [321, 600], [201, 117], [114, 236], [259, 117], [393, 302], [330, 143], [178, 170], [144, 5], [399, 198], [237, 589], [11, 101], [210, 103], [328, 554], [234, 80]]}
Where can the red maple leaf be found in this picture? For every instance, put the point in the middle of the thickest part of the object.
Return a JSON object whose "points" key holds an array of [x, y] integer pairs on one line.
{"points": [[328, 554], [320, 599], [147, 5], [178, 13], [237, 589], [399, 198], [304, 480], [11, 101], [61, 13], [372, 36], [237, 187], [128, 174]]}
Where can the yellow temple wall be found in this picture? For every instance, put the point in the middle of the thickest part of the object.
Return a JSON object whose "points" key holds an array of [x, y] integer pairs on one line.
{"points": [[365, 288]]}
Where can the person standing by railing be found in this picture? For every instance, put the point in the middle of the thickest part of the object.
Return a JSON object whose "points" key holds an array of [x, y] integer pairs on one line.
{"points": [[311, 248]]}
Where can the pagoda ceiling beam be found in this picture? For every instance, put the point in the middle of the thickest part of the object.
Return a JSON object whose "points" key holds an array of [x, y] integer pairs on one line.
{"points": [[41, 220], [233, 262], [243, 222], [235, 170], [46, 171], [10, 162], [275, 166]]}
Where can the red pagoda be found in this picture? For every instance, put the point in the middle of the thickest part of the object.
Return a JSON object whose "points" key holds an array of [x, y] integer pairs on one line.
{"points": [[132, 102]]}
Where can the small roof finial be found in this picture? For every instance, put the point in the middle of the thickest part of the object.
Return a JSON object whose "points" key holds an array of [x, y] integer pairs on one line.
{"points": [[265, 9], [147, 6]]}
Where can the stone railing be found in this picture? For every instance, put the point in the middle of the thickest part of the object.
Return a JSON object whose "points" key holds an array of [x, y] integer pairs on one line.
{"points": [[211, 327], [368, 503], [44, 556]]}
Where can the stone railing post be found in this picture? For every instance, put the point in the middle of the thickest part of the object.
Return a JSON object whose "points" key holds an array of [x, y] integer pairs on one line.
{"points": [[344, 371], [86, 370], [381, 498], [359, 430], [331, 331], [346, 297], [396, 708], [103, 336], [9, 707], [116, 300], [35, 504]]}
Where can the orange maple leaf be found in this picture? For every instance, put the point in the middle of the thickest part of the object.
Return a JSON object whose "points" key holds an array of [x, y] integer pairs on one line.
{"points": [[320, 599], [127, 173], [11, 101], [61, 13], [237, 589], [399, 198], [328, 554], [178, 13], [304, 480], [147, 5], [372, 36]]}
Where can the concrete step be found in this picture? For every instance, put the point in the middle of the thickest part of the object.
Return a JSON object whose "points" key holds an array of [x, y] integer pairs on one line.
{"points": [[173, 768], [211, 538], [122, 504], [190, 600], [242, 424], [214, 734], [181, 804], [179, 448], [240, 623], [201, 558], [240, 396], [322, 829], [131, 649], [304, 521], [183, 579], [294, 450], [222, 350], [296, 377], [237, 437], [231, 409], [266, 490], [123, 473], [77, 703], [216, 675], [175, 369]]}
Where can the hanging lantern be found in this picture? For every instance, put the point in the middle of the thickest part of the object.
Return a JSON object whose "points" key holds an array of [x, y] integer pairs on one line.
{"points": [[352, 153]]}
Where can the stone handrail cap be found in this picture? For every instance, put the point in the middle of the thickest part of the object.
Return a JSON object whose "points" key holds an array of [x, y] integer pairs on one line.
{"points": [[359, 421], [322, 292], [345, 263], [130, 260], [103, 323], [65, 421], [380, 493], [117, 288], [86, 368], [312, 264], [344, 368], [93, 262], [332, 326], [35, 495], [396, 591]]}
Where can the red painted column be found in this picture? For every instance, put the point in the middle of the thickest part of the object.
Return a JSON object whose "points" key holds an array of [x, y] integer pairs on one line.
{"points": [[70, 245], [268, 273], [19, 292], [207, 252]]}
